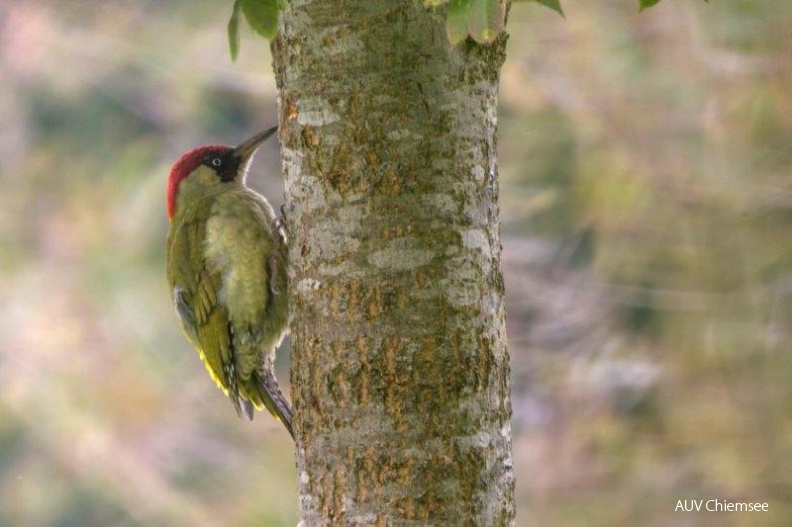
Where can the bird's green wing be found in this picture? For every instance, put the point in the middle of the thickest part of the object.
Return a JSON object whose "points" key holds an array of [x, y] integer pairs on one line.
{"points": [[195, 294]]}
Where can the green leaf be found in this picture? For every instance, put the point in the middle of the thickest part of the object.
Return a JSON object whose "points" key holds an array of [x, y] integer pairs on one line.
{"points": [[644, 4], [262, 15], [555, 5], [233, 31], [486, 20], [457, 20]]}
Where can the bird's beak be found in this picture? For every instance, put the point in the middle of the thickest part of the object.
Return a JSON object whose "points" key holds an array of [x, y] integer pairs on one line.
{"points": [[246, 149]]}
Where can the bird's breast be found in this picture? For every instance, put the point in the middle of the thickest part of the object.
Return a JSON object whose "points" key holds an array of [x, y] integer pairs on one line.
{"points": [[237, 246]]}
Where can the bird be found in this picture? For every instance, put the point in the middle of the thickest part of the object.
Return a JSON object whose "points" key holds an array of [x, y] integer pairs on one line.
{"points": [[226, 268]]}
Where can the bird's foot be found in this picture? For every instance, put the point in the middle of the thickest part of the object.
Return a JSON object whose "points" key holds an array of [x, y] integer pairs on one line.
{"points": [[280, 223]]}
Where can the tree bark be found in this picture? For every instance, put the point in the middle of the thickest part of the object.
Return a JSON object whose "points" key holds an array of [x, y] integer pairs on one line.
{"points": [[400, 371]]}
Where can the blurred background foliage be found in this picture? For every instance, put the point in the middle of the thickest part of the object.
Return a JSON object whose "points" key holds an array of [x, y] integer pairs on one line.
{"points": [[645, 165]]}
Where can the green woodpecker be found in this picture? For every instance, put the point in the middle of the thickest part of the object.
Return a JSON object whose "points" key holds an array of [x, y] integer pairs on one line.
{"points": [[227, 273]]}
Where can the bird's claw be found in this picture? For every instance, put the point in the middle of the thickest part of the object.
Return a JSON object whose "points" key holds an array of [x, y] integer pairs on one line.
{"points": [[280, 223]]}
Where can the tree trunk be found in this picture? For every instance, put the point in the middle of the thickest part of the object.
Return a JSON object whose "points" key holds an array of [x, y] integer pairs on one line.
{"points": [[400, 372]]}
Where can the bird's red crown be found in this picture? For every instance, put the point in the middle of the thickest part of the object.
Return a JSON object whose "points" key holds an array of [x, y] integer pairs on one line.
{"points": [[183, 167]]}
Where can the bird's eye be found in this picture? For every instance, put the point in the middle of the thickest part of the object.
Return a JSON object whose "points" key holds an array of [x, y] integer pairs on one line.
{"points": [[216, 162]]}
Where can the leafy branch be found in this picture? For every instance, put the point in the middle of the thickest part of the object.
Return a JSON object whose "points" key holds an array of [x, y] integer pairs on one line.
{"points": [[262, 15], [481, 20]]}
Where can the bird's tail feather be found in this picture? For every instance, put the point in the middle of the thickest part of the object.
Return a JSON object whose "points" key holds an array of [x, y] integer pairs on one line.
{"points": [[273, 399]]}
